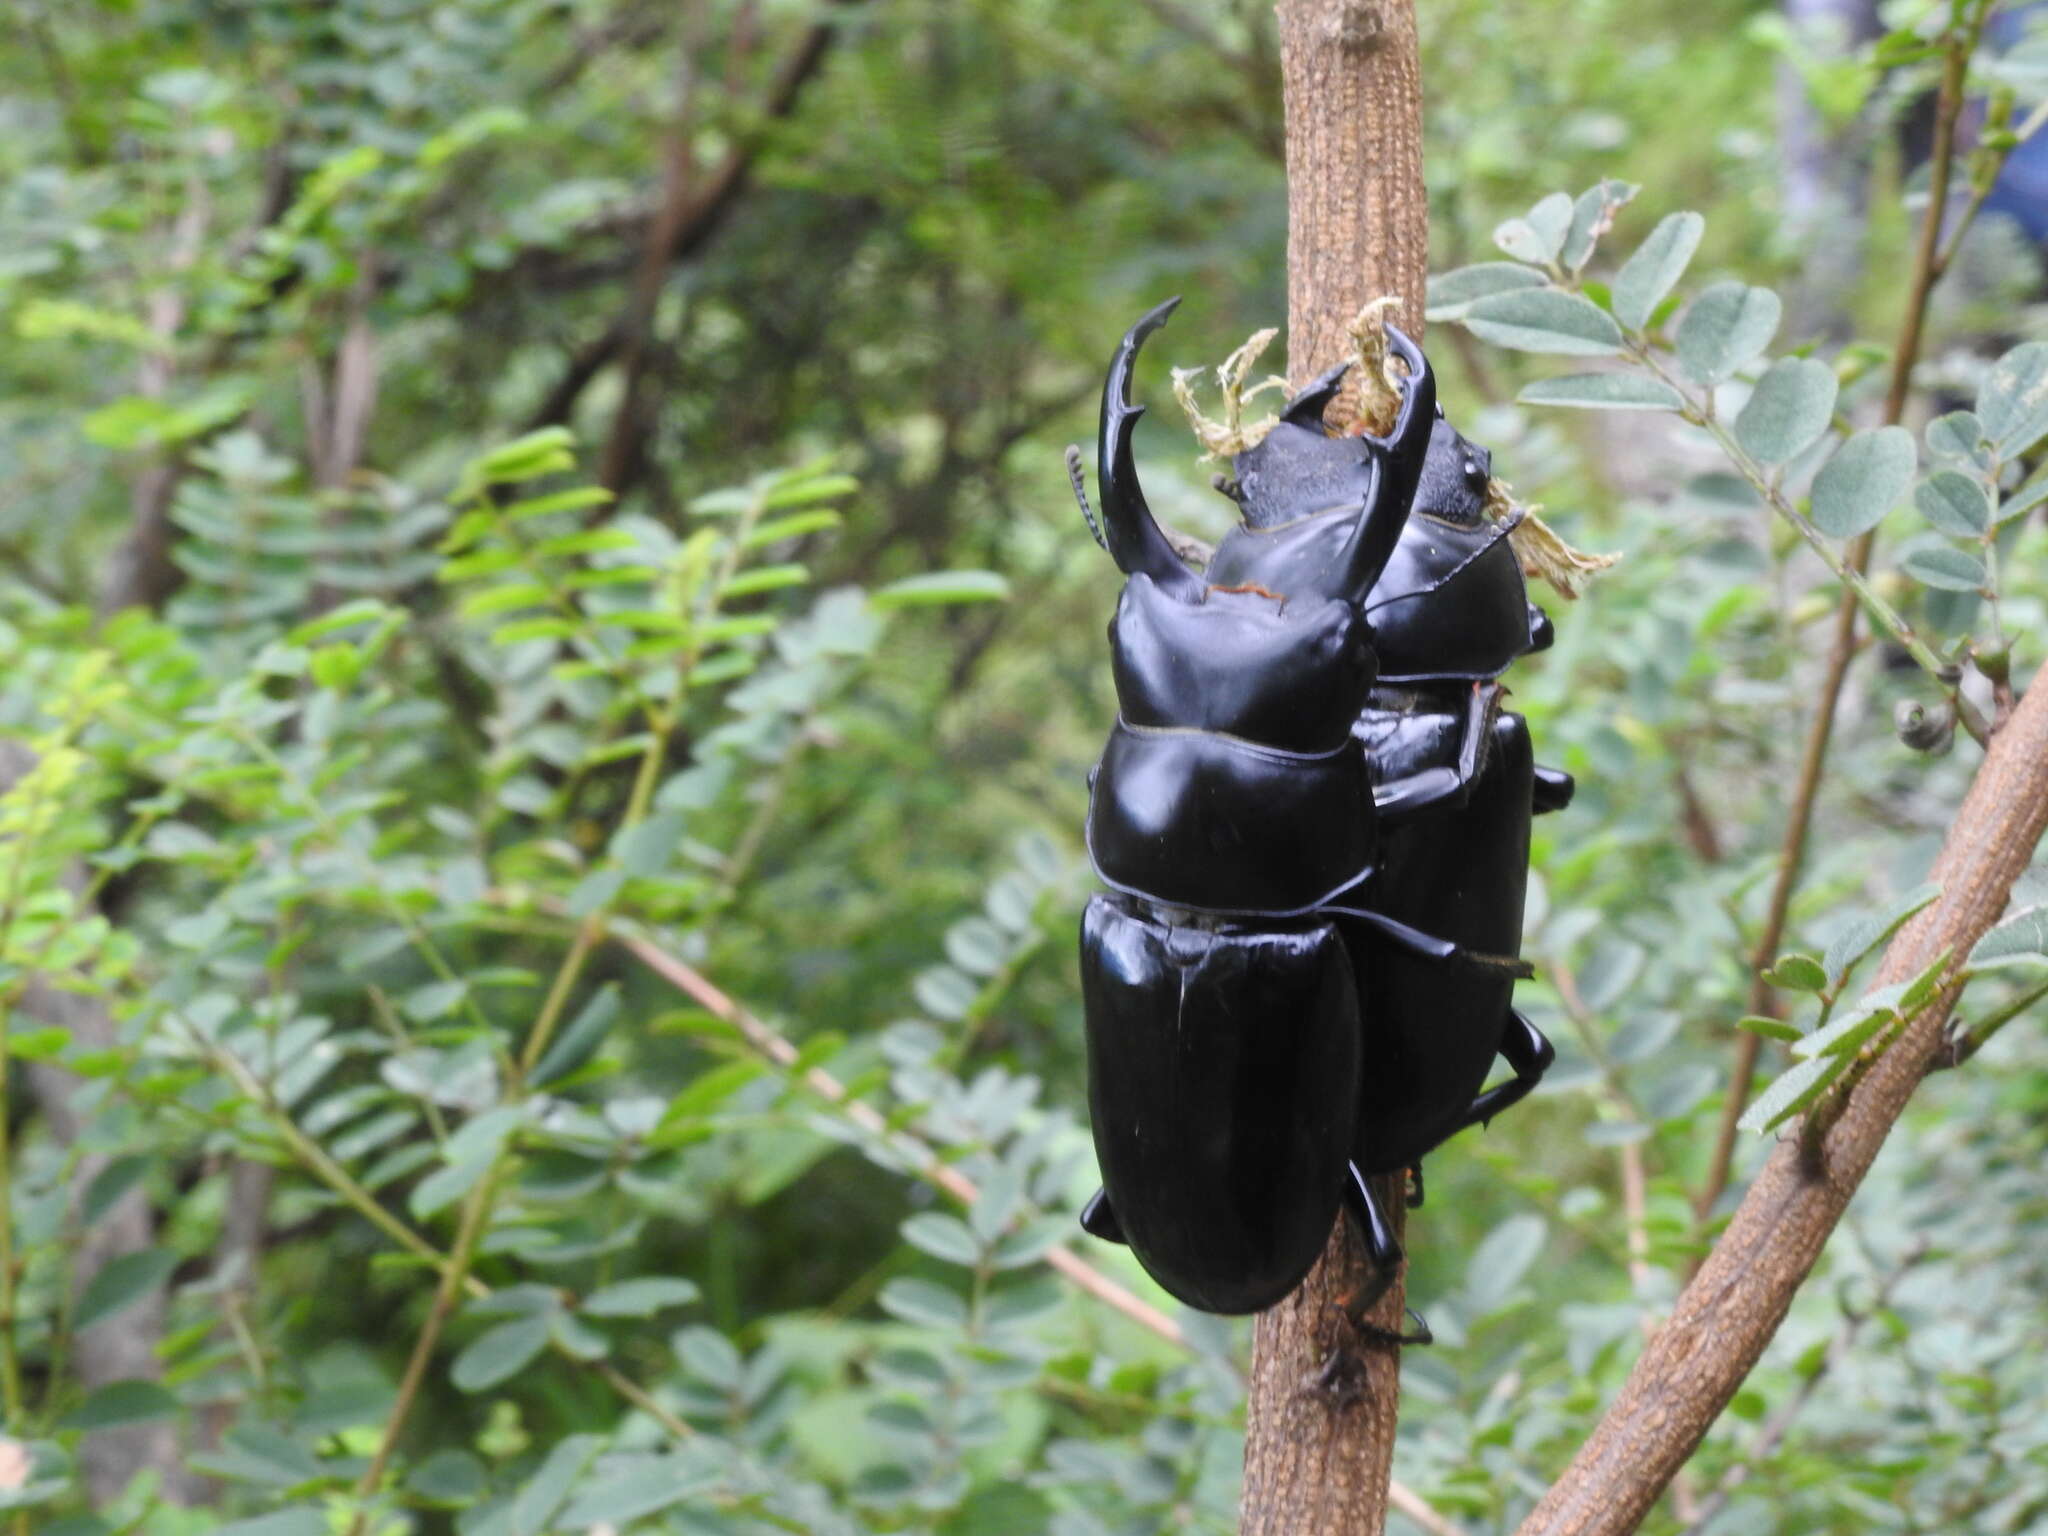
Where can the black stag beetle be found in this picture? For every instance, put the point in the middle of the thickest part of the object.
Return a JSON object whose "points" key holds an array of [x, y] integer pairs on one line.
{"points": [[1288, 989]]}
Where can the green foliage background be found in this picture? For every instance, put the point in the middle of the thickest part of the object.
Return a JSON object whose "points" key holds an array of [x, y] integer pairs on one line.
{"points": [[467, 704]]}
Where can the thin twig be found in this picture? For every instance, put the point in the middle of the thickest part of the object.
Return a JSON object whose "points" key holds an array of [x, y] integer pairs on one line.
{"points": [[1928, 265]]}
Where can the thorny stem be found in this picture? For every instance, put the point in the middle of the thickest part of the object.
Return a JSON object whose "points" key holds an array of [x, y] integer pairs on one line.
{"points": [[1931, 260]]}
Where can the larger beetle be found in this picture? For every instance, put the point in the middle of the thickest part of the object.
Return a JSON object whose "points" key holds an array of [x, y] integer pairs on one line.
{"points": [[1230, 980]]}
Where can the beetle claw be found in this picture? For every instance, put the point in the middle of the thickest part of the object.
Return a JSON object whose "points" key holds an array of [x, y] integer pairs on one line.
{"points": [[1379, 1335]]}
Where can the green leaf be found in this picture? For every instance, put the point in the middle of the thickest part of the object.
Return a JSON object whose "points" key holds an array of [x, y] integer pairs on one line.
{"points": [[302, 1520], [1604, 392], [633, 1488], [582, 498], [709, 1356], [801, 491], [499, 1353], [1538, 236], [595, 891], [935, 587], [640, 1297], [1845, 1034], [945, 993], [1545, 320], [977, 946], [1769, 1028], [580, 1038], [1452, 293], [1958, 438], [943, 1237], [537, 453], [1955, 503], [122, 1283], [1788, 410], [1592, 216], [2019, 940], [924, 1303], [123, 1402], [2032, 493], [1502, 1258], [1800, 972], [2012, 402], [1945, 568], [1655, 268], [49, 319], [1863, 935], [1726, 326], [109, 1185], [766, 578], [448, 1478], [445, 1185], [1794, 1089], [1863, 481]]}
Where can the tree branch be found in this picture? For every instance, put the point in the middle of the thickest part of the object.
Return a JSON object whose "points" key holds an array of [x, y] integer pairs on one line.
{"points": [[1322, 1401], [1731, 1309], [697, 219]]}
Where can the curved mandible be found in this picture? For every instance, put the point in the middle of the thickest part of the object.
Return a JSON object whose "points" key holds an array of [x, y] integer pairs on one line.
{"points": [[1407, 446], [1136, 541], [1402, 453]]}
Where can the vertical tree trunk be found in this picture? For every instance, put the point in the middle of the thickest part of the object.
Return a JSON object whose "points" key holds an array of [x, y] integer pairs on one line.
{"points": [[1319, 1442]]}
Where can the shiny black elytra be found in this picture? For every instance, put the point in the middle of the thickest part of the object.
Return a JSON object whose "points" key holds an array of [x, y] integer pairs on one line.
{"points": [[1313, 819]]}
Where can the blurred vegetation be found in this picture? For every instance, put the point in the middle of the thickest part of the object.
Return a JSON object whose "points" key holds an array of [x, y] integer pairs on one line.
{"points": [[511, 510]]}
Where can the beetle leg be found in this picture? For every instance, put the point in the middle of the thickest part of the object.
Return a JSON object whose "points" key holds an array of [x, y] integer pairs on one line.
{"points": [[1098, 1218], [1554, 789], [1415, 1187], [1430, 947], [1383, 1253], [1445, 786], [1530, 1055]]}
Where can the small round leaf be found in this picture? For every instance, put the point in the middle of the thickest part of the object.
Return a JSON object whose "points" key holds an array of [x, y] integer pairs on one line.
{"points": [[1787, 411], [2012, 402], [1954, 503], [1945, 568], [1655, 268], [1863, 481], [1726, 326], [1604, 392], [1545, 320]]}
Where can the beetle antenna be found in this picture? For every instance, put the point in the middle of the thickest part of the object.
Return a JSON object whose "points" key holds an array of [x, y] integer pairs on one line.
{"points": [[1078, 478]]}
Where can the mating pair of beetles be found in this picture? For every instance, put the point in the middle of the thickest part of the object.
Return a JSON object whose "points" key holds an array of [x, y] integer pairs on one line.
{"points": [[1313, 820]]}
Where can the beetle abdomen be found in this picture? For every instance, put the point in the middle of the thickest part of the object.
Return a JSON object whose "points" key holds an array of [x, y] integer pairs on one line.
{"points": [[1461, 873], [1223, 1074]]}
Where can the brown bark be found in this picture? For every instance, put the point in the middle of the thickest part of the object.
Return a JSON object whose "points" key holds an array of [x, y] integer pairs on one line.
{"points": [[1733, 1306], [1357, 211], [1322, 1401]]}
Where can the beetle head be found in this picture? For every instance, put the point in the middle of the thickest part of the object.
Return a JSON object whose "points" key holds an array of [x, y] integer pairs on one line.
{"points": [[1455, 475]]}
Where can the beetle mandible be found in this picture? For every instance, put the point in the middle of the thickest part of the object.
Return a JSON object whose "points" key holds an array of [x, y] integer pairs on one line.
{"points": [[1229, 979]]}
